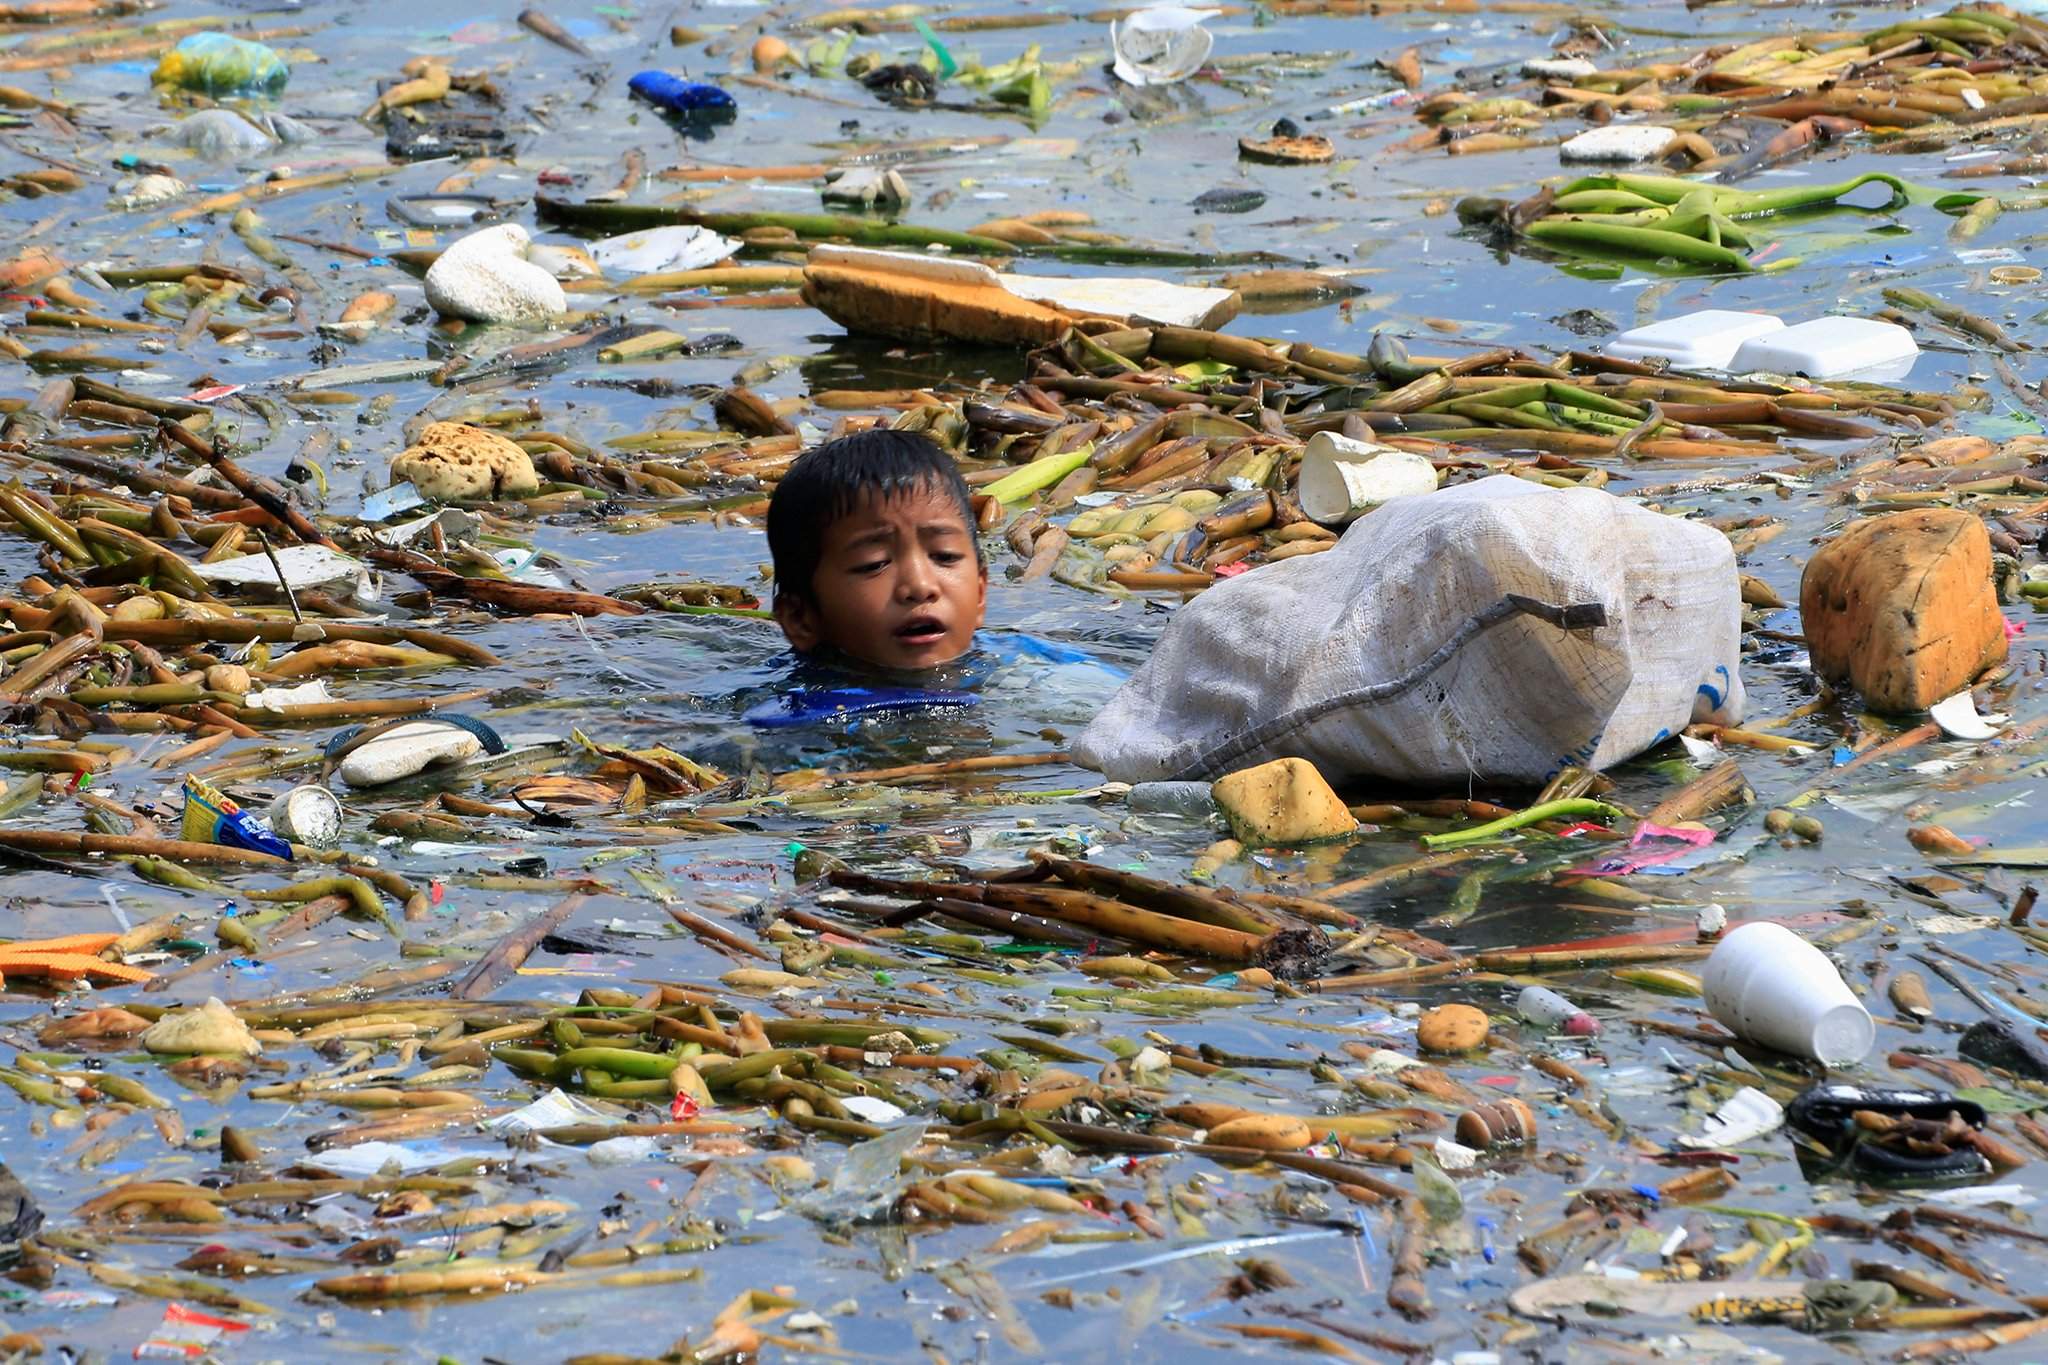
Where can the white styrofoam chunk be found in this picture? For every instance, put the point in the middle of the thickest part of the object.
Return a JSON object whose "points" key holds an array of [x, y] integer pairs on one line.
{"points": [[1160, 301], [1830, 348], [1558, 68], [1619, 142], [1707, 340]]}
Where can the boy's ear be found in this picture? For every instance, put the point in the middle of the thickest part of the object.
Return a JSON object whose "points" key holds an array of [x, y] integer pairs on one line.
{"points": [[981, 596], [799, 620]]}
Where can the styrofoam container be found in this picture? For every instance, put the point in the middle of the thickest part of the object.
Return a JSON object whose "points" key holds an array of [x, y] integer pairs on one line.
{"points": [[1832, 348], [1695, 341], [1342, 479], [1619, 143]]}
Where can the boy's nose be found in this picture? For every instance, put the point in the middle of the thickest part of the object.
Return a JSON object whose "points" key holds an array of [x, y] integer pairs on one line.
{"points": [[918, 582]]}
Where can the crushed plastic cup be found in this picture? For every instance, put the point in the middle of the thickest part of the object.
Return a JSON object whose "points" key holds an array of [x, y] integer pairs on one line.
{"points": [[1163, 45], [1771, 986], [1343, 479], [307, 815]]}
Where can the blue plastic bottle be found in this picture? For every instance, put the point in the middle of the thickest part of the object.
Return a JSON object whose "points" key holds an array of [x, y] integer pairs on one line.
{"points": [[691, 99]]}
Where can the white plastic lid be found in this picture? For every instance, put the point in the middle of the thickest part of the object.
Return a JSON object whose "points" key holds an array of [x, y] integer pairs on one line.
{"points": [[1831, 348], [1695, 341]]}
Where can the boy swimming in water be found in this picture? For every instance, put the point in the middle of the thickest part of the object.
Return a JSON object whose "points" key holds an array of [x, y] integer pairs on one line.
{"points": [[875, 553]]}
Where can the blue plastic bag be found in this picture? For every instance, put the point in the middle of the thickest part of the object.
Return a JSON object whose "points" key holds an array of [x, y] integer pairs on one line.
{"points": [[826, 706]]}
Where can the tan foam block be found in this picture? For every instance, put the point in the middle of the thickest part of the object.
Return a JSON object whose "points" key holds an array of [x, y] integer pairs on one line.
{"points": [[1282, 802], [916, 309], [1902, 607]]}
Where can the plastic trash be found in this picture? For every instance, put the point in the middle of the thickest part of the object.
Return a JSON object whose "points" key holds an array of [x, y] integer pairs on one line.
{"points": [[866, 187], [1172, 798], [1832, 348], [1343, 479], [1498, 629], [1707, 340], [827, 706], [403, 750], [1771, 986], [1619, 143], [2004, 1043], [682, 247], [219, 64], [307, 815], [893, 293], [1958, 718], [1163, 45], [1827, 1114], [869, 1178], [304, 566], [691, 99], [216, 134], [1545, 1008], [186, 1334], [211, 818], [1558, 68], [1749, 1113]]}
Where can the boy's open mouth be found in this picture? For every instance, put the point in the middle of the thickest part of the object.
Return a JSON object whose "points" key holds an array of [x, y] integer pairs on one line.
{"points": [[921, 630]]}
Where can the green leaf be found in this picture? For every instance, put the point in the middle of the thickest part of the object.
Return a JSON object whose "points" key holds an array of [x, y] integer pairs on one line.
{"points": [[1996, 1101]]}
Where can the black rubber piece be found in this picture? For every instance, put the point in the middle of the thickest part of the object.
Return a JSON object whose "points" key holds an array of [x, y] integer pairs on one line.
{"points": [[1826, 1113]]}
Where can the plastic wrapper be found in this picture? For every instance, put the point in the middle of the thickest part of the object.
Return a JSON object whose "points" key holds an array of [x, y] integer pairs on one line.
{"points": [[212, 818], [218, 64]]}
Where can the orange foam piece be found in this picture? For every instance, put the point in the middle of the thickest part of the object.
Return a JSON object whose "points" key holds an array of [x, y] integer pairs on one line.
{"points": [[68, 967], [69, 943]]}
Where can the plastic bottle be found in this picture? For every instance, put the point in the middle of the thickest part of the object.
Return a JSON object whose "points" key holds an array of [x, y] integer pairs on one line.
{"points": [[219, 64], [1547, 1009], [1171, 798], [691, 99]]}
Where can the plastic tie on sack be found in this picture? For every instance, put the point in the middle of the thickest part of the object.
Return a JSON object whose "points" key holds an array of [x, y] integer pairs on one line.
{"points": [[829, 705], [212, 818]]}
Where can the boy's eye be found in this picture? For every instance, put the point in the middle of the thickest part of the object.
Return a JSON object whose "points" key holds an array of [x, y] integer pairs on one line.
{"points": [[870, 566], [949, 557]]}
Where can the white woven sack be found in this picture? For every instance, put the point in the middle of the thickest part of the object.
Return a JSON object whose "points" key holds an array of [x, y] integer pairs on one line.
{"points": [[1334, 657]]}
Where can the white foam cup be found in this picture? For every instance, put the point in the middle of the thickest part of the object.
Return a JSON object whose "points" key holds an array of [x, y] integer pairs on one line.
{"points": [[1773, 987], [307, 815], [1343, 479]]}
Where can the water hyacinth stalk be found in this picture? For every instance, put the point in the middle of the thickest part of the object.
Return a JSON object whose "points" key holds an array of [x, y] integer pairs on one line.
{"points": [[1040, 473]]}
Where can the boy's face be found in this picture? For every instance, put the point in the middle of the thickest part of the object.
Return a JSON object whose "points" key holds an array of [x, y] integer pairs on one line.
{"points": [[898, 584]]}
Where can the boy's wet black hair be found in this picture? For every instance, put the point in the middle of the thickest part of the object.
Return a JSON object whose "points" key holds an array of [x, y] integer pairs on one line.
{"points": [[835, 479]]}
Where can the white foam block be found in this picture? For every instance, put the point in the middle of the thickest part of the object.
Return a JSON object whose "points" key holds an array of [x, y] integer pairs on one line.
{"points": [[1619, 142], [1832, 348], [1705, 340]]}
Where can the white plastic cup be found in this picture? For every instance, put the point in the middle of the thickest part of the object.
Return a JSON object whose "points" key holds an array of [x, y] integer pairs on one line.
{"points": [[1773, 987], [1343, 479], [1161, 45]]}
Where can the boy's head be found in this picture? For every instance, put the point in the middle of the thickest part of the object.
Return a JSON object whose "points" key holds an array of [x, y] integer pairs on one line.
{"points": [[875, 551]]}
